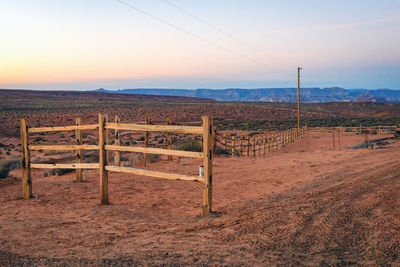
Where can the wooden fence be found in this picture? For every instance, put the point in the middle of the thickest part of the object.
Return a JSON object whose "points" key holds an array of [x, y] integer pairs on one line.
{"points": [[379, 129], [257, 145], [104, 165]]}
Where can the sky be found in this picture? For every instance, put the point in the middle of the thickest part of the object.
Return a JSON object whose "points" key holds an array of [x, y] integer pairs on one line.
{"points": [[117, 44]]}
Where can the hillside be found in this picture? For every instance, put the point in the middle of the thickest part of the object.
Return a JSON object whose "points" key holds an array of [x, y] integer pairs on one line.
{"points": [[49, 108], [95, 95], [308, 95]]}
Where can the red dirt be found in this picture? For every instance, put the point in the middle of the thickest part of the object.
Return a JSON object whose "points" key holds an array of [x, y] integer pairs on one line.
{"points": [[307, 204]]}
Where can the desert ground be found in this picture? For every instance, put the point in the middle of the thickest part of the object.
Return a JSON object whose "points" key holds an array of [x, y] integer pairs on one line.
{"points": [[306, 204]]}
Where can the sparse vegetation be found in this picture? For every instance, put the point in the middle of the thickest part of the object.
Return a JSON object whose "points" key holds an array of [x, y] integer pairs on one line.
{"points": [[39, 139], [190, 146], [51, 153], [8, 165], [58, 172]]}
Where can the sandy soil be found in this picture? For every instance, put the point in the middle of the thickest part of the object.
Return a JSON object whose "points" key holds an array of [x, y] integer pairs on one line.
{"points": [[307, 204]]}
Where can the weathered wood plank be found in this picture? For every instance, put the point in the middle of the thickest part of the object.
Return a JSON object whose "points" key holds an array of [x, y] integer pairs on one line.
{"points": [[169, 138], [103, 160], [117, 142], [65, 165], [63, 128], [147, 143], [151, 150], [63, 147], [79, 152], [150, 173], [155, 128], [207, 164], [25, 160]]}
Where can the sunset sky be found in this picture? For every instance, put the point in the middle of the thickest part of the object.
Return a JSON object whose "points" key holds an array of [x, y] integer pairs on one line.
{"points": [[88, 44]]}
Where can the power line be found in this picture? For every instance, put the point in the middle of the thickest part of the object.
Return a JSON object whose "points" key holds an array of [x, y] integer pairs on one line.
{"points": [[194, 35], [225, 33]]}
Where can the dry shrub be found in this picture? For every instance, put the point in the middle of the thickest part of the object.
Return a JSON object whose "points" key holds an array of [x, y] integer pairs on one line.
{"points": [[58, 172], [194, 146], [8, 165]]}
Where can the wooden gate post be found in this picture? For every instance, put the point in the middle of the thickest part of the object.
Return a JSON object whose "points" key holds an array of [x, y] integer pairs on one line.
{"points": [[103, 160], [169, 139], [25, 161], [79, 152], [214, 138], [207, 164], [147, 143], [117, 142]]}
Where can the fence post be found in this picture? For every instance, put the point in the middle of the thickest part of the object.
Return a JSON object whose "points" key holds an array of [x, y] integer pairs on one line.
{"points": [[169, 138], [264, 147], [25, 161], [241, 146], [79, 152], [117, 154], [259, 146], [379, 129], [254, 146], [284, 138], [333, 138], [233, 146], [225, 142], [207, 163], [269, 143], [214, 138], [103, 160], [248, 146], [147, 143]]}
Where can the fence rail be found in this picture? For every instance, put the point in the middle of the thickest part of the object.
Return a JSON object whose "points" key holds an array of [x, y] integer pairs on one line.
{"points": [[160, 151], [63, 147], [377, 129], [155, 128], [63, 128]]}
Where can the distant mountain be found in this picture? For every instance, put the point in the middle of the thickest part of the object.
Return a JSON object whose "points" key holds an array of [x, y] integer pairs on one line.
{"points": [[308, 95]]}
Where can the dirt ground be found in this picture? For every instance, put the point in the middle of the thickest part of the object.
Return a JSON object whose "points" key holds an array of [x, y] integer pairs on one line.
{"points": [[307, 204]]}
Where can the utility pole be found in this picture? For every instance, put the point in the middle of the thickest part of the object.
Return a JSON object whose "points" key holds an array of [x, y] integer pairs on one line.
{"points": [[298, 97]]}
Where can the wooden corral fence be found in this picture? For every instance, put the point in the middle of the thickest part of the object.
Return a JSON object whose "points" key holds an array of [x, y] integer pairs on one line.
{"points": [[257, 145], [104, 165]]}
